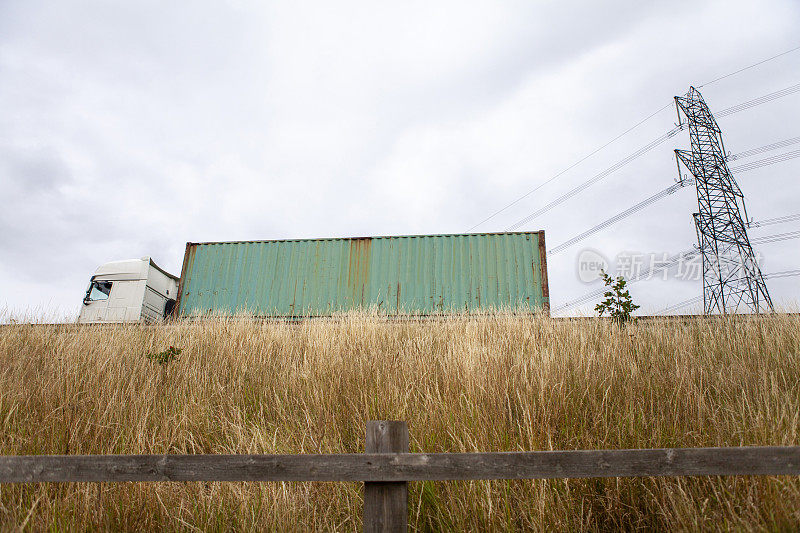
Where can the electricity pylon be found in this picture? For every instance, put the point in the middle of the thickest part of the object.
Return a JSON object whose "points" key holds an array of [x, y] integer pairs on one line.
{"points": [[732, 280]]}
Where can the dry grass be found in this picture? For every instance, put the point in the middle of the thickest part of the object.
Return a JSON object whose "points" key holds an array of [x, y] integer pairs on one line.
{"points": [[480, 384]]}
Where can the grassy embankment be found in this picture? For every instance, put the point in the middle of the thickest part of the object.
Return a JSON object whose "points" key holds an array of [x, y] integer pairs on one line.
{"points": [[488, 383]]}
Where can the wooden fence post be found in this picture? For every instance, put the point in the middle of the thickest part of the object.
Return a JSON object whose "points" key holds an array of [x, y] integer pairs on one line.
{"points": [[386, 504]]}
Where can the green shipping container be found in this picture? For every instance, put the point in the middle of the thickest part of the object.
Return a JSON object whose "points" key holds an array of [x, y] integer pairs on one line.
{"points": [[415, 275]]}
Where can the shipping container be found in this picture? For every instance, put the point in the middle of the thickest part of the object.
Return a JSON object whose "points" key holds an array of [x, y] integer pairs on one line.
{"points": [[402, 275]]}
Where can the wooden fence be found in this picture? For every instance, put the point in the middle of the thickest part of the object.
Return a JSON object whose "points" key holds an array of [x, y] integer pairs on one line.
{"points": [[386, 467]]}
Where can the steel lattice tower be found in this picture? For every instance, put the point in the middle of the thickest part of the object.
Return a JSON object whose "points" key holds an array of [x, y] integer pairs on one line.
{"points": [[732, 280]]}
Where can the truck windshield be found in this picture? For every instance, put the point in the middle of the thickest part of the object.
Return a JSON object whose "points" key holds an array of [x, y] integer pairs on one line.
{"points": [[99, 290]]}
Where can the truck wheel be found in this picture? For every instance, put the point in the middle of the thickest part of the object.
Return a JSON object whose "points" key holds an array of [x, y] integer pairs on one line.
{"points": [[169, 307]]}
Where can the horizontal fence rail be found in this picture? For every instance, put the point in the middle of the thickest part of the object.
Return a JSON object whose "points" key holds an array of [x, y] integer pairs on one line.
{"points": [[767, 460], [388, 467]]}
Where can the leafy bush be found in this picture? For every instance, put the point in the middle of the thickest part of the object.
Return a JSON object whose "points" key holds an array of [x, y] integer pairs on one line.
{"points": [[162, 358], [617, 300]]}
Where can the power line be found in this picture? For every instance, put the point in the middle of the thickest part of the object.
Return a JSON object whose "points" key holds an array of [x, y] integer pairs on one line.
{"points": [[584, 158], [680, 305], [640, 275], [619, 216], [657, 141], [645, 273], [776, 220], [698, 299], [597, 177], [750, 66], [669, 190], [776, 237], [766, 161], [766, 148], [758, 101], [666, 192], [784, 274], [672, 188]]}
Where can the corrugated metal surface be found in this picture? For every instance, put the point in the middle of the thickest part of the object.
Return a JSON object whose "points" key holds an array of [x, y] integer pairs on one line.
{"points": [[427, 274]]}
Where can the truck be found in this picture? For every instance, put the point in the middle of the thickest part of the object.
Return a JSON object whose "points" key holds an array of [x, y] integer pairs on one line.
{"points": [[420, 275], [132, 290]]}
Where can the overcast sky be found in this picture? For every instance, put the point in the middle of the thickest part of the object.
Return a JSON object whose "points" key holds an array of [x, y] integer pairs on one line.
{"points": [[130, 128]]}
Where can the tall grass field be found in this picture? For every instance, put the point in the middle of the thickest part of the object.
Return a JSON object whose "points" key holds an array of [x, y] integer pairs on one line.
{"points": [[482, 383]]}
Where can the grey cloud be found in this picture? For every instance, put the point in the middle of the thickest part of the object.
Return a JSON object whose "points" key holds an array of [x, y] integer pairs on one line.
{"points": [[36, 169]]}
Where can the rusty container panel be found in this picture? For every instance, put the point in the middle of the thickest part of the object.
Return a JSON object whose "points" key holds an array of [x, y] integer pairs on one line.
{"points": [[425, 275]]}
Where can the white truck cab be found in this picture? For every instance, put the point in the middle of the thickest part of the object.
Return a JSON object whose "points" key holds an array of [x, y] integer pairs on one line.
{"points": [[134, 290]]}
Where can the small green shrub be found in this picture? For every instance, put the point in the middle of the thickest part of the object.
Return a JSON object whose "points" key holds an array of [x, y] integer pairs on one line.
{"points": [[162, 358], [617, 301]]}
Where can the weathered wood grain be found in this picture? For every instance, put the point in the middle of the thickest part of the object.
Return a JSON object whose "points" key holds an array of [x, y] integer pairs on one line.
{"points": [[374, 467], [386, 503]]}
